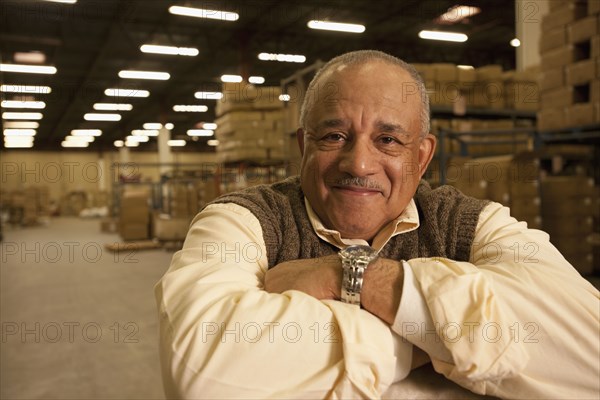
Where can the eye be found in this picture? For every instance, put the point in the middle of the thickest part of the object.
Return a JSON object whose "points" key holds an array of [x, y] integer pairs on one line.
{"points": [[334, 137], [389, 140]]}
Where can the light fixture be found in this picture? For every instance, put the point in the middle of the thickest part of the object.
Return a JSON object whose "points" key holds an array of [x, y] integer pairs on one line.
{"points": [[29, 57], [22, 124], [465, 67], [86, 132], [18, 142], [169, 50], [113, 107], [515, 42], [28, 69], [19, 132], [126, 92], [153, 75], [204, 13], [139, 138], [189, 108], [208, 95], [212, 142], [169, 126], [457, 14], [297, 58], [336, 26], [30, 89], [152, 125], [71, 144], [231, 78], [80, 139], [102, 117], [200, 132], [176, 142], [22, 115], [63, 1], [144, 132], [209, 125], [131, 144], [284, 97], [118, 143], [257, 80], [445, 36], [38, 105]]}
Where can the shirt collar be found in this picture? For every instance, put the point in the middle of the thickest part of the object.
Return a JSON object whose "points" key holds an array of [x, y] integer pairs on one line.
{"points": [[407, 221]]}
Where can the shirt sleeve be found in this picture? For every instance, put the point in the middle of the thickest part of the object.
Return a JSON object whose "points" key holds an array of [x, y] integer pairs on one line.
{"points": [[223, 336], [517, 320]]}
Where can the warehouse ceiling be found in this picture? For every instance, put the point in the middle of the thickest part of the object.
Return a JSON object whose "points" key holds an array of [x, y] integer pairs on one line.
{"points": [[90, 41]]}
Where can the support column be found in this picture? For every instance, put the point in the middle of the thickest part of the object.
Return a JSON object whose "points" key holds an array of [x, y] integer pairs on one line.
{"points": [[164, 150], [528, 28]]}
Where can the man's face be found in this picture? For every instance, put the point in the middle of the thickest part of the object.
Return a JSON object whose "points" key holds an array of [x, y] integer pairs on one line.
{"points": [[363, 156]]}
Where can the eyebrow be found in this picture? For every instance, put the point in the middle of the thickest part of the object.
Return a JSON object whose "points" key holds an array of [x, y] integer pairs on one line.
{"points": [[381, 126]]}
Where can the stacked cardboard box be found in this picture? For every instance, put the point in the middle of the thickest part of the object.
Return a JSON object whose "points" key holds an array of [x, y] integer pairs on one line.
{"points": [[250, 124], [134, 217], [570, 54], [568, 204], [186, 199], [486, 87], [73, 203], [509, 180], [167, 228]]}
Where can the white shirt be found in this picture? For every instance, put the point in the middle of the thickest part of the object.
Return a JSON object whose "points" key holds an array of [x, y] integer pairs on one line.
{"points": [[517, 319]]}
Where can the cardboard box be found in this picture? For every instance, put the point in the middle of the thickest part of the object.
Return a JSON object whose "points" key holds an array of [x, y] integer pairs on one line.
{"points": [[552, 39], [597, 112], [563, 15], [466, 75], [557, 98], [593, 7], [581, 72], [133, 231], [580, 114], [595, 88], [522, 95], [558, 57], [525, 207], [558, 187], [445, 73], [582, 29], [595, 46], [551, 118], [109, 225], [167, 228], [552, 78], [569, 225], [492, 72]]}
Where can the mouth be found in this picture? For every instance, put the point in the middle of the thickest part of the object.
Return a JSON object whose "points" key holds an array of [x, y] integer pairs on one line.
{"points": [[356, 190]]}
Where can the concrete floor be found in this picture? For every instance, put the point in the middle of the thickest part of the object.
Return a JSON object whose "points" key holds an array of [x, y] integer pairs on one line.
{"points": [[77, 322]]}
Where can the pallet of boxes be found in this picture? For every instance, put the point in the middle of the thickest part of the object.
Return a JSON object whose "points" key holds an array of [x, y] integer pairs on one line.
{"points": [[250, 124], [570, 65]]}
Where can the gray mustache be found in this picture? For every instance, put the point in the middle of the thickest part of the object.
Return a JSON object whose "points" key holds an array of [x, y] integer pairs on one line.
{"points": [[358, 182]]}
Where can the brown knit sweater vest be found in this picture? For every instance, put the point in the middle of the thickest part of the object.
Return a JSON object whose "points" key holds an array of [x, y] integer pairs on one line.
{"points": [[447, 223]]}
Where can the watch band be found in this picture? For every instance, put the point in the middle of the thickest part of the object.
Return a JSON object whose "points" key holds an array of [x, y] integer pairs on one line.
{"points": [[352, 280]]}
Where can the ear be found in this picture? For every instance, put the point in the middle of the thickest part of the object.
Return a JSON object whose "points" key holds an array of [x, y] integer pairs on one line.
{"points": [[300, 139], [426, 152]]}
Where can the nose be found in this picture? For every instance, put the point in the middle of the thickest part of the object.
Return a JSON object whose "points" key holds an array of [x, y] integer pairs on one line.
{"points": [[359, 159]]}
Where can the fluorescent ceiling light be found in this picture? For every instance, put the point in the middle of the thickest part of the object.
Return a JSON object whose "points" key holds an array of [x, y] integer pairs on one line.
{"points": [[18, 145], [102, 117], [212, 142], [28, 69], [18, 139], [86, 132], [63, 1], [176, 143], [465, 66], [38, 105], [257, 80], [118, 143], [231, 78], [336, 26], [127, 93], [139, 138], [297, 58], [66, 143], [113, 107], [154, 75], [189, 108], [144, 132], [209, 125], [169, 50], [284, 97], [22, 124], [29, 57], [131, 144], [82, 139], [152, 125], [208, 95], [446, 36], [515, 42], [458, 13], [22, 115], [25, 89], [19, 132], [204, 13], [169, 126], [200, 132]]}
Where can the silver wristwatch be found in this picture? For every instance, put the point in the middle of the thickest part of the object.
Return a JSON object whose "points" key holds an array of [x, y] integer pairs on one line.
{"points": [[355, 260]]}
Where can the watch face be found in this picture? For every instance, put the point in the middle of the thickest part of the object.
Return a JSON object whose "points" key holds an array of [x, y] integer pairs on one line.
{"points": [[358, 251]]}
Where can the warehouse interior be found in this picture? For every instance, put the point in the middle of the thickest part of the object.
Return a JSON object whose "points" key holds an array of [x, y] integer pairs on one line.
{"points": [[122, 119]]}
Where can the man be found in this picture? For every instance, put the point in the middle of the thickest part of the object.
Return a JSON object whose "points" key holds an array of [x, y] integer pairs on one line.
{"points": [[259, 304]]}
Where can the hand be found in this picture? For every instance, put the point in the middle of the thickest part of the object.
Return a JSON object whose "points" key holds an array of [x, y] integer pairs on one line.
{"points": [[382, 288], [319, 277]]}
